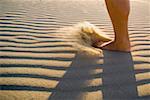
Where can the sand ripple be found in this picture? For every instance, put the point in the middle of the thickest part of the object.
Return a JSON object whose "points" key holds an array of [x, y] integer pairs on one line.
{"points": [[40, 58]]}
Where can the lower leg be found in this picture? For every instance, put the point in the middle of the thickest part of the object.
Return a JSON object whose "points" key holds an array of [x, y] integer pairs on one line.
{"points": [[119, 11]]}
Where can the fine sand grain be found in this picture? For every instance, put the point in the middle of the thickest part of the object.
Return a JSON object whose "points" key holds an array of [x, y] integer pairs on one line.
{"points": [[46, 52]]}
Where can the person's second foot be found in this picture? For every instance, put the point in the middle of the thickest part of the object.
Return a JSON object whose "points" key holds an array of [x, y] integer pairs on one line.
{"points": [[114, 46]]}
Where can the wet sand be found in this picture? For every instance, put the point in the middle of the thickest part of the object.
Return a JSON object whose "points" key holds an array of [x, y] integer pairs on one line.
{"points": [[41, 60]]}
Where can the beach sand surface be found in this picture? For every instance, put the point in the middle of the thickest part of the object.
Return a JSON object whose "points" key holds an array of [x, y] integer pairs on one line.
{"points": [[43, 57]]}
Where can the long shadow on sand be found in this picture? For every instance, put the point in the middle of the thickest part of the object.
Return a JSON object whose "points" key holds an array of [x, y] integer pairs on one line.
{"points": [[119, 81], [76, 81], [118, 78]]}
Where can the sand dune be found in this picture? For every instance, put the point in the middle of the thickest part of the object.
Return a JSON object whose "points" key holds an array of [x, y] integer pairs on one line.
{"points": [[46, 52]]}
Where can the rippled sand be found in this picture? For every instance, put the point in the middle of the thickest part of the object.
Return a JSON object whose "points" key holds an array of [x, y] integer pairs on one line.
{"points": [[42, 54]]}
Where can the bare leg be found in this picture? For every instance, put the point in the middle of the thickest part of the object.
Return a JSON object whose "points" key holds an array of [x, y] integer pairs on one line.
{"points": [[119, 12]]}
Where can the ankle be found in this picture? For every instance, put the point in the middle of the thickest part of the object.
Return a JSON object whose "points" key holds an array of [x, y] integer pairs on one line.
{"points": [[122, 41], [122, 44]]}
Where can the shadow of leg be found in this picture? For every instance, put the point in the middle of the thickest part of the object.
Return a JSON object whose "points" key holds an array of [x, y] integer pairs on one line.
{"points": [[77, 81], [118, 77]]}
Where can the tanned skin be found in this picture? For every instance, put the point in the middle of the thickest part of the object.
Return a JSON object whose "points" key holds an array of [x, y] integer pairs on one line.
{"points": [[118, 11]]}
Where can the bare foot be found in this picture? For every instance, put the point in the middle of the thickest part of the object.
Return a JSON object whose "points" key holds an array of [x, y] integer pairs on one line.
{"points": [[114, 46]]}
